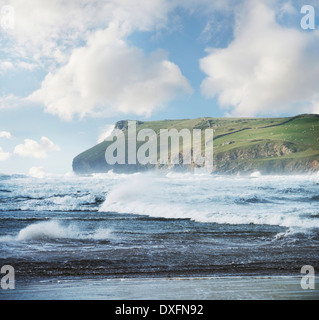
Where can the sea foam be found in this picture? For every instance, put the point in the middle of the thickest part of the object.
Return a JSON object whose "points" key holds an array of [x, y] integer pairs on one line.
{"points": [[52, 230], [213, 202]]}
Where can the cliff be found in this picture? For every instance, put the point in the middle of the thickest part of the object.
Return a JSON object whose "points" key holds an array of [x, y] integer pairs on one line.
{"points": [[267, 145]]}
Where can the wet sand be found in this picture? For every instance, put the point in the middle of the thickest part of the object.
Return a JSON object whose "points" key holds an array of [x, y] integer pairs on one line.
{"points": [[227, 288]]}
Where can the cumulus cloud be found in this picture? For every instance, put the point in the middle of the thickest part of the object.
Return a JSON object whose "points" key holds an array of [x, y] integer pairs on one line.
{"points": [[5, 134], [4, 155], [62, 36], [97, 71], [49, 29], [267, 69], [33, 149], [108, 76]]}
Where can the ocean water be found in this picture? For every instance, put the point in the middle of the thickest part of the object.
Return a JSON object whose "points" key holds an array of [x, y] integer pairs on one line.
{"points": [[157, 226]]}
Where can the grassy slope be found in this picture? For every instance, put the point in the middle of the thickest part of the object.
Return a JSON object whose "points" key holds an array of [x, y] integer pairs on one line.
{"points": [[240, 144], [300, 135]]}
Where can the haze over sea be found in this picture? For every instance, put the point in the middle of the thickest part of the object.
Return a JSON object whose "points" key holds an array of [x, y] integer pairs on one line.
{"points": [[150, 227]]}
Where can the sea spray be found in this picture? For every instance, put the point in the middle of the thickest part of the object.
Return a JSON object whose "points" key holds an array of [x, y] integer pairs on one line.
{"points": [[53, 230], [44, 230]]}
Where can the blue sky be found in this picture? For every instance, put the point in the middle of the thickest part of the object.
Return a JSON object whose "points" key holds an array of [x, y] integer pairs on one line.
{"points": [[68, 70]]}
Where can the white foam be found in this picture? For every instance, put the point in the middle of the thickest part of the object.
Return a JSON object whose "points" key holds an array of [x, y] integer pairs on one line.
{"points": [[61, 203], [188, 176], [70, 174], [200, 197], [7, 239], [173, 211], [114, 176], [45, 230], [169, 198], [54, 230], [256, 174], [101, 234], [37, 172]]}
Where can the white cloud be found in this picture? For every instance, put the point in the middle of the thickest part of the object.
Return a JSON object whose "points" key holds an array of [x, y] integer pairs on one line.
{"points": [[33, 149], [287, 8], [11, 101], [84, 81], [37, 172], [5, 66], [108, 76], [106, 132], [5, 134], [12, 66], [25, 65], [267, 69], [48, 29], [93, 71], [4, 155]]}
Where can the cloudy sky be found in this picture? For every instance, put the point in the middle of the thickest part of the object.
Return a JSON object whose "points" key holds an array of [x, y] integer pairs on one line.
{"points": [[70, 69]]}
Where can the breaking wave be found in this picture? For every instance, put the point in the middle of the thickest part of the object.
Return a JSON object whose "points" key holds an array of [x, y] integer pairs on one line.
{"points": [[54, 230], [154, 197]]}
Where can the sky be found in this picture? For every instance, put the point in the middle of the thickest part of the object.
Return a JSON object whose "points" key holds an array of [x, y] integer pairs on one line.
{"points": [[70, 69]]}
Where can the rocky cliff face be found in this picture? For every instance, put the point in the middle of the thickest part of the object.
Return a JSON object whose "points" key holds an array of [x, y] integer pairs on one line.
{"points": [[272, 145]]}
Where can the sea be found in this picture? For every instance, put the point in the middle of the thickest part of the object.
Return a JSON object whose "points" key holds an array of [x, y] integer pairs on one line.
{"points": [[158, 235]]}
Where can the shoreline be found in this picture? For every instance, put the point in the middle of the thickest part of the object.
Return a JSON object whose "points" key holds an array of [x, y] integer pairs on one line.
{"points": [[198, 288]]}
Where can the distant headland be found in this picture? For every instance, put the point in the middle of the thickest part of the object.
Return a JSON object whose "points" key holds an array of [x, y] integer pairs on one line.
{"points": [[287, 145]]}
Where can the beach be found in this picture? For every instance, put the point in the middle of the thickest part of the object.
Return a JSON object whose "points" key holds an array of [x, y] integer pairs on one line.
{"points": [[159, 236]]}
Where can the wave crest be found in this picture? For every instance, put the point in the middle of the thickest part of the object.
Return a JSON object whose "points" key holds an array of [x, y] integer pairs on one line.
{"points": [[52, 230], [155, 197]]}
